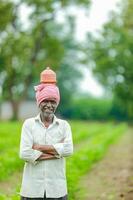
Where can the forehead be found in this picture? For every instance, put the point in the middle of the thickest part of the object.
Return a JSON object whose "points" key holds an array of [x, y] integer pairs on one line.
{"points": [[49, 99]]}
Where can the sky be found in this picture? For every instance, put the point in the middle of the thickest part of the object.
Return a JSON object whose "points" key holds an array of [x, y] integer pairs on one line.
{"points": [[95, 17]]}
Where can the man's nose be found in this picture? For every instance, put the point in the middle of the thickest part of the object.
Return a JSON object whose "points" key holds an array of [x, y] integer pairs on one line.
{"points": [[49, 103]]}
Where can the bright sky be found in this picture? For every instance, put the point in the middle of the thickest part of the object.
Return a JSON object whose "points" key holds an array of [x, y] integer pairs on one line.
{"points": [[95, 17]]}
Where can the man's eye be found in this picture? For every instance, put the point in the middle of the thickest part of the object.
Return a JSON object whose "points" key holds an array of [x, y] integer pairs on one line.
{"points": [[53, 102]]}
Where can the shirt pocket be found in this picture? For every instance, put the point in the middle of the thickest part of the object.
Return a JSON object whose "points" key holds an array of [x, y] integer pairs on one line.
{"points": [[55, 137], [38, 137]]}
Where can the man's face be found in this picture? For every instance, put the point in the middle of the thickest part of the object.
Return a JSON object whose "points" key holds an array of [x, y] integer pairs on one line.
{"points": [[48, 107]]}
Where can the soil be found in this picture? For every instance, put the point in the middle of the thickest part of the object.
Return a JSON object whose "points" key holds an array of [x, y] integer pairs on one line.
{"points": [[112, 177]]}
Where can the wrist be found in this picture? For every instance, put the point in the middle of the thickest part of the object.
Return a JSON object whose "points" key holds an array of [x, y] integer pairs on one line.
{"points": [[41, 148]]}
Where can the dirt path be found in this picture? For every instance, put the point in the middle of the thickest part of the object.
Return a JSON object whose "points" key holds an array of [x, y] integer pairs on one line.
{"points": [[112, 177]]}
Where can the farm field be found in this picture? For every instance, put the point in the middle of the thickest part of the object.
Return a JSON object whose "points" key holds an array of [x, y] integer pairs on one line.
{"points": [[91, 142], [112, 177]]}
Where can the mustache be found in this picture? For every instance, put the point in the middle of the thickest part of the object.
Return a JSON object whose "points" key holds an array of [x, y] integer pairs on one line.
{"points": [[45, 107]]}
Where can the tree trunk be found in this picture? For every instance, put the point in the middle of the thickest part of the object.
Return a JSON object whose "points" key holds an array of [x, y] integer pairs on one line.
{"points": [[15, 108]]}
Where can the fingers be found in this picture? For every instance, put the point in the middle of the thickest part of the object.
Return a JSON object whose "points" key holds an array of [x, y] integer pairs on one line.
{"points": [[46, 156]]}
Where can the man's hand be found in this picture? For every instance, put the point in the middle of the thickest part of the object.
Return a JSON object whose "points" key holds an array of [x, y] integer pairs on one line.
{"points": [[36, 147], [47, 149], [46, 156]]}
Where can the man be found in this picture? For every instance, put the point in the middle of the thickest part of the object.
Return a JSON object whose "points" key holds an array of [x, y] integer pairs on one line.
{"points": [[45, 141]]}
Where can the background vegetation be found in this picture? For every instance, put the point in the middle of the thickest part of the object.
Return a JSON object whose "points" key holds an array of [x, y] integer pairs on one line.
{"points": [[27, 47]]}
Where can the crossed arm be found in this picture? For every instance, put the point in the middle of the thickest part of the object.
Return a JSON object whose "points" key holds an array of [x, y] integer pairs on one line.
{"points": [[31, 152], [48, 152]]}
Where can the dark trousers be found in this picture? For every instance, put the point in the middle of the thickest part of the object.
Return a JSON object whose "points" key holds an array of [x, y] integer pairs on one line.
{"points": [[61, 198]]}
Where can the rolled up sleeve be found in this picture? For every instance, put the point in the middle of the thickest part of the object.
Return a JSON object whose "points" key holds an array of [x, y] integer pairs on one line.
{"points": [[65, 148], [26, 152]]}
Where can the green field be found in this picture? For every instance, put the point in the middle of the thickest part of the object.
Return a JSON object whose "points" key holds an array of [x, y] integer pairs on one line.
{"points": [[91, 141]]}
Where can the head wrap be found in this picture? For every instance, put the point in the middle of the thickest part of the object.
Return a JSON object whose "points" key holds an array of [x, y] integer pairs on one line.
{"points": [[47, 91]]}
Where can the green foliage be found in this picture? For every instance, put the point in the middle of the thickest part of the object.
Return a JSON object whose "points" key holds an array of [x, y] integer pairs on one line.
{"points": [[80, 132], [6, 16], [91, 142], [9, 143], [112, 55], [93, 108], [25, 52], [90, 108]]}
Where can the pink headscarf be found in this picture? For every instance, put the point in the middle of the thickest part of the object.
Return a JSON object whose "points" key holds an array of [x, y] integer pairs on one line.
{"points": [[47, 91]]}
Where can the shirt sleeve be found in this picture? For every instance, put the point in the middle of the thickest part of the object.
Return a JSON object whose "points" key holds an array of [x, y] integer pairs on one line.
{"points": [[65, 148], [26, 152]]}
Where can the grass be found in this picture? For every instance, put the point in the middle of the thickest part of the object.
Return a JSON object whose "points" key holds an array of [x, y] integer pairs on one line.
{"points": [[96, 138], [9, 145]]}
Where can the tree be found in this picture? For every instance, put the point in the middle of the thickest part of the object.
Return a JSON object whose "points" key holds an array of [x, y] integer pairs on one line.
{"points": [[112, 54], [25, 52]]}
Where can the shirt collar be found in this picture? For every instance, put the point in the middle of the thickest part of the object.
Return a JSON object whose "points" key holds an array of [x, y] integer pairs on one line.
{"points": [[55, 121]]}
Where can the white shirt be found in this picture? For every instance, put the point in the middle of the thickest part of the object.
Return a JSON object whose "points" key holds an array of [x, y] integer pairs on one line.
{"points": [[48, 175]]}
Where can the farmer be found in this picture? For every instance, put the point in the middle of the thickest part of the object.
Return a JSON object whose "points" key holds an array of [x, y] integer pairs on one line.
{"points": [[45, 142]]}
